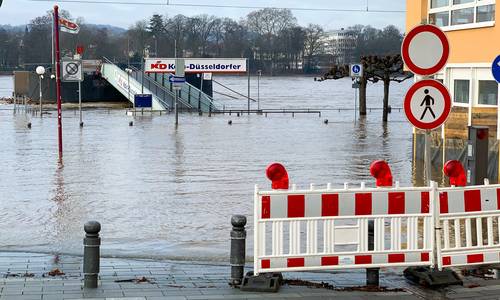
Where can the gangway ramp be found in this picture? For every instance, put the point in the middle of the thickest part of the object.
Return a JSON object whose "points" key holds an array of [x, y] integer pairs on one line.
{"points": [[189, 97], [129, 87]]}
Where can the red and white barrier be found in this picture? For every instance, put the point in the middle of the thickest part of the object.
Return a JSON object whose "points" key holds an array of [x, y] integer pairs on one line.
{"points": [[469, 219], [325, 228], [319, 229]]}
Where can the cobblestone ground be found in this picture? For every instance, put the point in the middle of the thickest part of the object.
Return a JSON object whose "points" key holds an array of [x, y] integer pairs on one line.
{"points": [[25, 276]]}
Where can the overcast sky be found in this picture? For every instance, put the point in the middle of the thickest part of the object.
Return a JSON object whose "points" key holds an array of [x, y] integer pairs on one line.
{"points": [[16, 12]]}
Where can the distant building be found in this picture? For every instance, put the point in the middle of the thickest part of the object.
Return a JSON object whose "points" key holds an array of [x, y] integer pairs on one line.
{"points": [[340, 45]]}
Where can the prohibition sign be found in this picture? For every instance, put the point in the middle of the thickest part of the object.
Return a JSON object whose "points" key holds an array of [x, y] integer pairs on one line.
{"points": [[427, 104], [72, 68], [425, 50]]}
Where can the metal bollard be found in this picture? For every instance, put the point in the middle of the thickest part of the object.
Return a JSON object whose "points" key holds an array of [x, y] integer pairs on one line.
{"points": [[372, 274], [91, 254], [238, 249]]}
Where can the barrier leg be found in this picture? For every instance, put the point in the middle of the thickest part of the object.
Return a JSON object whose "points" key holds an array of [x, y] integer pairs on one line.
{"points": [[238, 249], [372, 274]]}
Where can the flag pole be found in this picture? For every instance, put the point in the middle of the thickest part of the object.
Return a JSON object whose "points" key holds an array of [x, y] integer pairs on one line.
{"points": [[58, 82]]}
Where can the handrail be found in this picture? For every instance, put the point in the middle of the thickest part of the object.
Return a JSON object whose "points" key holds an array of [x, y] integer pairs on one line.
{"points": [[163, 88], [160, 99]]}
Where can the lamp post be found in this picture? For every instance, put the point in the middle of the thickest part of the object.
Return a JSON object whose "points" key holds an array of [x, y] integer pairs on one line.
{"points": [[129, 71], [40, 71]]}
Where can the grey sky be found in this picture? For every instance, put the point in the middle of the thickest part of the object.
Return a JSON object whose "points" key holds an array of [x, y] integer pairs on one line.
{"points": [[17, 12]]}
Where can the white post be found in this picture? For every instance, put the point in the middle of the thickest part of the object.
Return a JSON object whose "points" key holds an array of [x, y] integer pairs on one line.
{"points": [[248, 72], [258, 89], [40, 78], [428, 158], [80, 101]]}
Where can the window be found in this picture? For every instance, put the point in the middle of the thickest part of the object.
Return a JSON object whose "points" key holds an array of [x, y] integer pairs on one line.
{"points": [[439, 3], [485, 13], [461, 91], [488, 92], [439, 19], [461, 14]]}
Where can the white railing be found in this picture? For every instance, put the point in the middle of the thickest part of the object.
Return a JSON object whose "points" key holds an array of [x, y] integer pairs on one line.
{"points": [[324, 229]]}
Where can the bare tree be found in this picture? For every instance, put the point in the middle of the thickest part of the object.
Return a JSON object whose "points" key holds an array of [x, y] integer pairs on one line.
{"points": [[312, 43]]}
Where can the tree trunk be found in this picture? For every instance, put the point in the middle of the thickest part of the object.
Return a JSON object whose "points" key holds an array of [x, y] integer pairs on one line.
{"points": [[387, 82], [362, 96]]}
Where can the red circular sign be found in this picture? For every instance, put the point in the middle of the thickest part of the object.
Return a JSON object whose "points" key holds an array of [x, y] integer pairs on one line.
{"points": [[425, 50], [427, 104]]}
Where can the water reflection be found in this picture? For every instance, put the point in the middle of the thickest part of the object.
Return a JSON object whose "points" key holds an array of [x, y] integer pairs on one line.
{"points": [[164, 192]]}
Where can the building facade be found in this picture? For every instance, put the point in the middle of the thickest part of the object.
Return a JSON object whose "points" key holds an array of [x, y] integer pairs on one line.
{"points": [[340, 46], [471, 28]]}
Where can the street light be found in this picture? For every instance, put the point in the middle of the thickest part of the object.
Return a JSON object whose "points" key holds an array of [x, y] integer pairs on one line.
{"points": [[129, 71], [40, 71]]}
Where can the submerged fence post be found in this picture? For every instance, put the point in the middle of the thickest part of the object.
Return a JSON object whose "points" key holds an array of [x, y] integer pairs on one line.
{"points": [[91, 254], [238, 249]]}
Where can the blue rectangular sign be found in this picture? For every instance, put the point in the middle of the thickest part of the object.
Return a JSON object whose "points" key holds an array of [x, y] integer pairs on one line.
{"points": [[176, 79], [143, 100]]}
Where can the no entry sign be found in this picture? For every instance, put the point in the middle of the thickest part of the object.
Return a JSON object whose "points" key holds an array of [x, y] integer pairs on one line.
{"points": [[427, 104], [425, 50]]}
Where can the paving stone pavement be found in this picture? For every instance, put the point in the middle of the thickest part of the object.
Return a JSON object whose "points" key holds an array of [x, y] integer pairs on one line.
{"points": [[25, 276]]}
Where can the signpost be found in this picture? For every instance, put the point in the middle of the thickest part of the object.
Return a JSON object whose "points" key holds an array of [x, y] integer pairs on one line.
{"points": [[178, 80], [495, 69], [58, 81], [427, 105], [72, 70], [356, 71]]}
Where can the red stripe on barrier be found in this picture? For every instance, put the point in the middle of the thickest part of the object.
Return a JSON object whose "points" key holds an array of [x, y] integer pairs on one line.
{"points": [[396, 203], [472, 200], [424, 257], [295, 262], [265, 264], [363, 204], [443, 202], [329, 260], [498, 198], [266, 207], [296, 206], [424, 202], [475, 258], [446, 260], [363, 259], [329, 205], [396, 258]]}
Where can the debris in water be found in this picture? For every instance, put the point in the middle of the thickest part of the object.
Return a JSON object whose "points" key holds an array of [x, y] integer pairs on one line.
{"points": [[137, 280], [56, 272]]}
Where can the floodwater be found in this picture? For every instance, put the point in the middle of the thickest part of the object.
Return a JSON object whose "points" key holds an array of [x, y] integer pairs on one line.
{"points": [[162, 192]]}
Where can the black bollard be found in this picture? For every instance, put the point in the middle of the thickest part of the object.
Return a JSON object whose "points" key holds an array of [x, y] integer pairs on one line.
{"points": [[372, 274], [81, 124], [238, 249], [131, 123], [29, 125], [91, 254]]}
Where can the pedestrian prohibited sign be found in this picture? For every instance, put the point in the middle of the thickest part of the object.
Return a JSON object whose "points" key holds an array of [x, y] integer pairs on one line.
{"points": [[427, 104], [72, 70], [425, 50]]}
